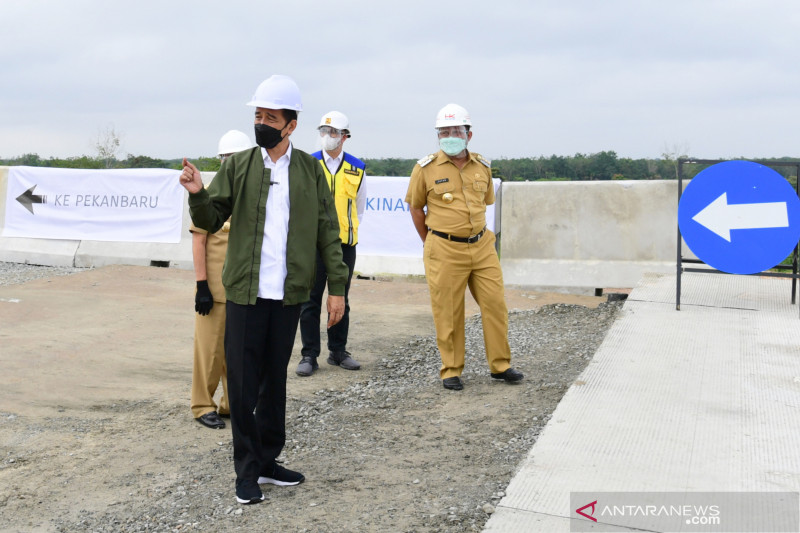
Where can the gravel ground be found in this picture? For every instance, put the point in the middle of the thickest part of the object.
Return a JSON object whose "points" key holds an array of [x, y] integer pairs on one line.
{"points": [[389, 451], [12, 273]]}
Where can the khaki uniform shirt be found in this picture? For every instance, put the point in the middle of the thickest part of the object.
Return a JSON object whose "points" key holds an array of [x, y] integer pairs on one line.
{"points": [[216, 248], [471, 188]]}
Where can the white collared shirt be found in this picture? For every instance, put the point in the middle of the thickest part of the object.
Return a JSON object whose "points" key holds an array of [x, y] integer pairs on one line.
{"points": [[333, 164], [272, 274]]}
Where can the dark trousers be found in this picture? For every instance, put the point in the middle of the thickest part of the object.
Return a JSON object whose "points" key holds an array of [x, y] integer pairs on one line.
{"points": [[258, 346], [309, 314]]}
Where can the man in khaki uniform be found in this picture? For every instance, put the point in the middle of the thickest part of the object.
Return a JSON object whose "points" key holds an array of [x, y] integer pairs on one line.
{"points": [[456, 186], [208, 253]]}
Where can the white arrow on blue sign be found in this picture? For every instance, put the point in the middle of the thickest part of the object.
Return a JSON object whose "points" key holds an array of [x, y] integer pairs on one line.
{"points": [[740, 217]]}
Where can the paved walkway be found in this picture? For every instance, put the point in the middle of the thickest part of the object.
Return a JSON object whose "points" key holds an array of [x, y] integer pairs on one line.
{"points": [[706, 399]]}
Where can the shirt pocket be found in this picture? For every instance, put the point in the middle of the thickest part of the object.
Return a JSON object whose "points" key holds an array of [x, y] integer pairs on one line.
{"points": [[350, 185], [480, 186], [441, 188]]}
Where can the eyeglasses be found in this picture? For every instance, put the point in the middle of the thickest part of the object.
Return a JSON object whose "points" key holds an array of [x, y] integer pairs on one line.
{"points": [[333, 132], [451, 131]]}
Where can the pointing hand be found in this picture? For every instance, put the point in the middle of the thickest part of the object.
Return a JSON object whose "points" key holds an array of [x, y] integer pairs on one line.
{"points": [[191, 178]]}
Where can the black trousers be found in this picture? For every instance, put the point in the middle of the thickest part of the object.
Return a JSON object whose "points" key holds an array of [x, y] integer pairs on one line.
{"points": [[258, 346], [310, 312]]}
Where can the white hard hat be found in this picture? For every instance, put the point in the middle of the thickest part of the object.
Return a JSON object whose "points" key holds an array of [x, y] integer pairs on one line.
{"points": [[337, 120], [452, 115], [232, 142], [277, 92]]}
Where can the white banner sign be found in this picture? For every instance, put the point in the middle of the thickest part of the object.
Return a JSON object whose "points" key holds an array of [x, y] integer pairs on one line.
{"points": [[131, 205], [387, 229]]}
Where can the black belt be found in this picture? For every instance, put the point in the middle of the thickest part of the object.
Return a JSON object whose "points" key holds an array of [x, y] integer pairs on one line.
{"points": [[468, 240]]}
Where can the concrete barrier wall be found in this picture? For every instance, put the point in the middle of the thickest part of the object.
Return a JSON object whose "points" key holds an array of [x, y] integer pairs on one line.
{"points": [[587, 234], [562, 235]]}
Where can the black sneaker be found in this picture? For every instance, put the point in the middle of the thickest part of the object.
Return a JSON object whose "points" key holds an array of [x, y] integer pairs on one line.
{"points": [[307, 366], [249, 493], [343, 359], [282, 477]]}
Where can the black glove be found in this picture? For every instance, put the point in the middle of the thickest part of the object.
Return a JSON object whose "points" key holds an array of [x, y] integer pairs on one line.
{"points": [[203, 301]]}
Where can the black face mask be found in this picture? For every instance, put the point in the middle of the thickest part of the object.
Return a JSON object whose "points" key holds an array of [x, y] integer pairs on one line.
{"points": [[267, 136]]}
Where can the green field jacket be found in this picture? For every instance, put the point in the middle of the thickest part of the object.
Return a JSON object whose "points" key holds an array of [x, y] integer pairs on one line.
{"points": [[239, 190]]}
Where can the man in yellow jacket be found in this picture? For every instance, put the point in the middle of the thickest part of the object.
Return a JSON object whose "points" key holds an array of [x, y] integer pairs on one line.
{"points": [[345, 175]]}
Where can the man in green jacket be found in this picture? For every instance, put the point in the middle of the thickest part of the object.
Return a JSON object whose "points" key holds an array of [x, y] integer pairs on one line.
{"points": [[281, 213]]}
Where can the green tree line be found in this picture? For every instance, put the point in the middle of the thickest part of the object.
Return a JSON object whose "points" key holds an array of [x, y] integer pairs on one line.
{"points": [[579, 167], [132, 161], [605, 165]]}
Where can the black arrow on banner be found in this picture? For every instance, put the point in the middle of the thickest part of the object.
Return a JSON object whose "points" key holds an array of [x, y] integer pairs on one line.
{"points": [[27, 199]]}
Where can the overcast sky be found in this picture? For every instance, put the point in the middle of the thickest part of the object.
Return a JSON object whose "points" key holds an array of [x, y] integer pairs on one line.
{"points": [[539, 78]]}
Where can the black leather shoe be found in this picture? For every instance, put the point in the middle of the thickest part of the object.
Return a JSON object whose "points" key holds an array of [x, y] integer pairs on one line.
{"points": [[211, 420], [509, 375], [452, 383]]}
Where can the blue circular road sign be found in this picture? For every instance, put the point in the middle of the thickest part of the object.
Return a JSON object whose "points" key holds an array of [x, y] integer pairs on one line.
{"points": [[740, 217]]}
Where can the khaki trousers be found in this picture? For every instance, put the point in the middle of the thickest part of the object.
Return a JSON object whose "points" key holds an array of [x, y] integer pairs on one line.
{"points": [[209, 362], [451, 267]]}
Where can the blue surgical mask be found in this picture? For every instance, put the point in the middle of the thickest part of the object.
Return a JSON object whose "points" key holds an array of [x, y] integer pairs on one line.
{"points": [[452, 145]]}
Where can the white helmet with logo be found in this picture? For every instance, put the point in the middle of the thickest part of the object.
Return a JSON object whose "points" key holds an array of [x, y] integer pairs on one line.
{"points": [[452, 115], [277, 92], [232, 142], [337, 120]]}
